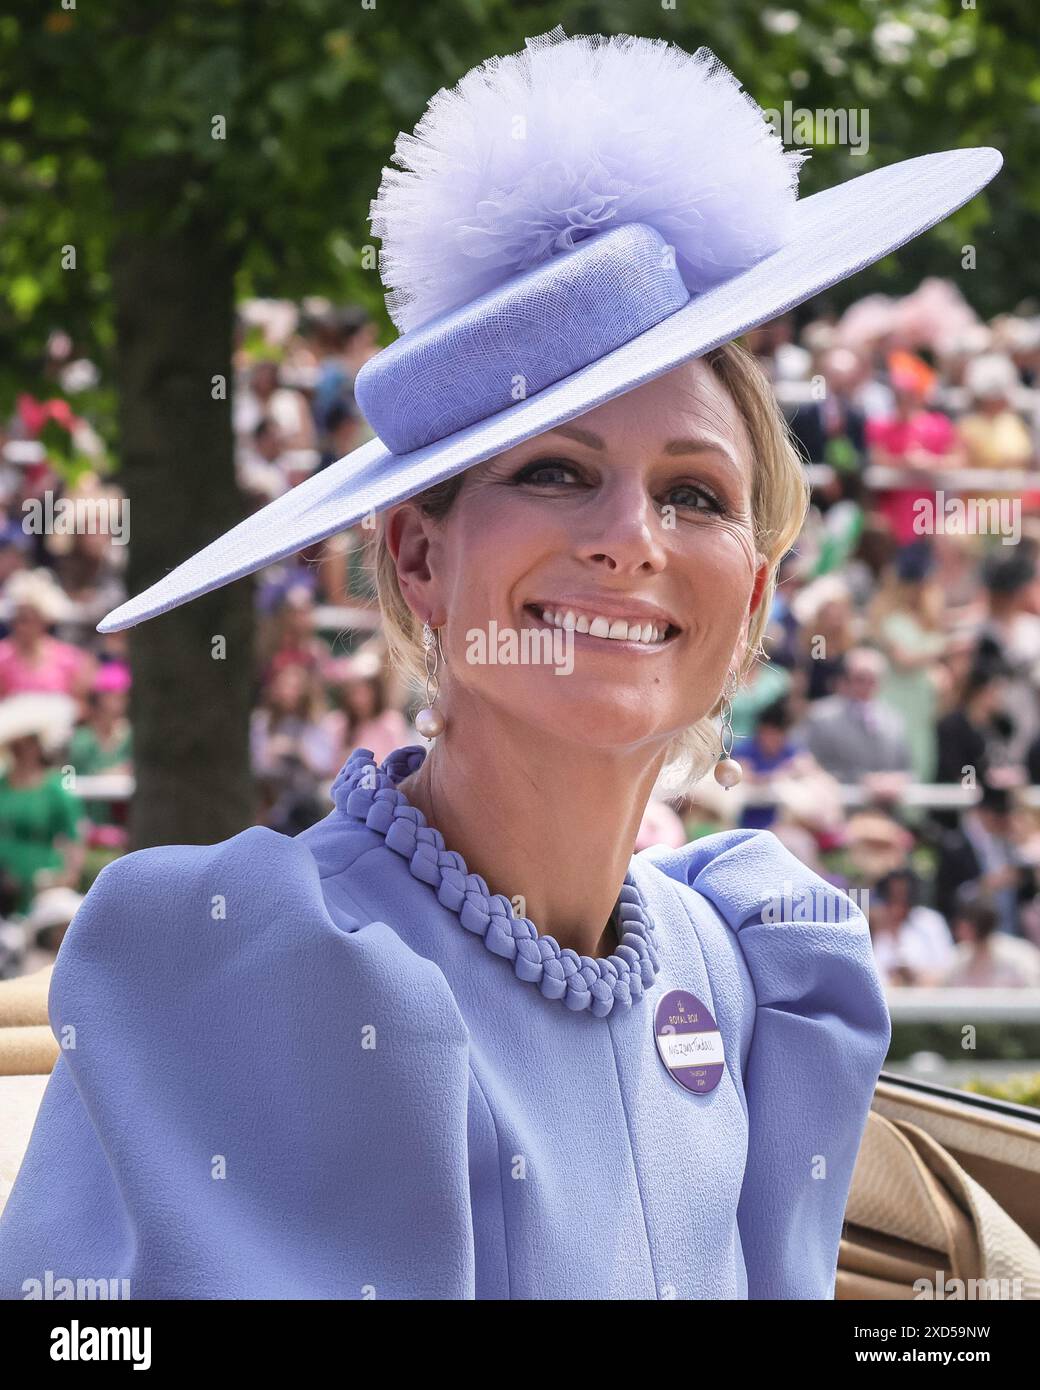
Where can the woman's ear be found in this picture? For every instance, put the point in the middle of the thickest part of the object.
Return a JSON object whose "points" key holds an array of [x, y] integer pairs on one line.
{"points": [[757, 590], [408, 541], [761, 578]]}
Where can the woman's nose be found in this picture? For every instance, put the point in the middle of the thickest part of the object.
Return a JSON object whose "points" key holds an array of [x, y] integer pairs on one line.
{"points": [[623, 530]]}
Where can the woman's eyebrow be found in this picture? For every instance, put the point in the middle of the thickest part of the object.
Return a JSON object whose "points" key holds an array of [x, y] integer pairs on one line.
{"points": [[673, 447], [580, 436], [698, 446]]}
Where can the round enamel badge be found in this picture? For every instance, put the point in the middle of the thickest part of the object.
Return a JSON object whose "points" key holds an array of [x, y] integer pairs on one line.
{"points": [[689, 1041]]}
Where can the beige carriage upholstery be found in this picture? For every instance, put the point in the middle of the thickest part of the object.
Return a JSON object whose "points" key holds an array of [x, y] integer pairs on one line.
{"points": [[27, 1045], [945, 1202], [943, 1191], [28, 1051]]}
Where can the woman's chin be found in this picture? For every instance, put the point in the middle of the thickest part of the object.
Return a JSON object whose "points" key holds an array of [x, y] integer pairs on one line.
{"points": [[587, 715]]}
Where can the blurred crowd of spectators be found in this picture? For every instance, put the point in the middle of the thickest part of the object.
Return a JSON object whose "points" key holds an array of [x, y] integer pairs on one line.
{"points": [[892, 740]]}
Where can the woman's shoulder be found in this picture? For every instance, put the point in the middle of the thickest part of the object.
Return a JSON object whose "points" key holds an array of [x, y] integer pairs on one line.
{"points": [[258, 867], [243, 918], [751, 876], [805, 942], [214, 1024]]}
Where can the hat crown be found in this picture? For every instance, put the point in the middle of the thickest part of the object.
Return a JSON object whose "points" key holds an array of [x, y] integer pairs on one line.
{"points": [[530, 154], [543, 325]]}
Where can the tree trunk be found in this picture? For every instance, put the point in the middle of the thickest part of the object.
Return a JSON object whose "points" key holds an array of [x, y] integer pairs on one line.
{"points": [[190, 700]]}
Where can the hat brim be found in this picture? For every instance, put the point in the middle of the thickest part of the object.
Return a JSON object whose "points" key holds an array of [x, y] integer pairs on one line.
{"points": [[838, 232]]}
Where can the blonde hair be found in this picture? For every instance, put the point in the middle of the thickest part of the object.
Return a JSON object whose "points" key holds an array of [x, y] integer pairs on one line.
{"points": [[779, 502]]}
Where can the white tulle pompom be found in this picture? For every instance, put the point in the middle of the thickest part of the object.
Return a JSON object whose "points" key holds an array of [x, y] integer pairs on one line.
{"points": [[531, 153]]}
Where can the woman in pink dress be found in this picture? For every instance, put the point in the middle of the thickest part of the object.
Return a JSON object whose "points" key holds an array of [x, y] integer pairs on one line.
{"points": [[913, 438], [366, 718], [30, 658]]}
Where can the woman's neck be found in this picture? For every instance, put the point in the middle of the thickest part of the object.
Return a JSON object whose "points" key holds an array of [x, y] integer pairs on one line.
{"points": [[26, 775], [542, 820]]}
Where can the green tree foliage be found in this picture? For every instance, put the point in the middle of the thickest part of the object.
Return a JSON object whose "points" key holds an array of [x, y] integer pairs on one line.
{"points": [[313, 93]]}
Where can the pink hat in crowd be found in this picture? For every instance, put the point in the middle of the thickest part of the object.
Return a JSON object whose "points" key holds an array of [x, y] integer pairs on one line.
{"points": [[112, 675]]}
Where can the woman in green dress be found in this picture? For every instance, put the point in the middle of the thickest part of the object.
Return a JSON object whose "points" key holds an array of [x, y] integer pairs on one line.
{"points": [[103, 742], [906, 619], [41, 820]]}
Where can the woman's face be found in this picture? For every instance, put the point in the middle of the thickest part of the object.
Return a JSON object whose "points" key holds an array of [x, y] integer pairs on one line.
{"points": [[113, 703], [771, 739], [909, 398], [361, 699], [299, 619], [26, 751], [640, 509], [92, 544], [898, 900], [287, 688], [833, 616], [28, 623]]}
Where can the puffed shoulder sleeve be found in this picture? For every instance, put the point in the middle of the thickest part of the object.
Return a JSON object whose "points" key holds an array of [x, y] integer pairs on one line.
{"points": [[821, 1034], [249, 1102]]}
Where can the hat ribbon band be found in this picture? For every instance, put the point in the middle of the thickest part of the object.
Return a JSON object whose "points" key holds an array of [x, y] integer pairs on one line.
{"points": [[537, 328]]}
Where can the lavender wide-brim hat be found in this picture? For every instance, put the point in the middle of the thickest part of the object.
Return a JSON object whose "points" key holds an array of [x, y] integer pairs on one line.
{"points": [[568, 223]]}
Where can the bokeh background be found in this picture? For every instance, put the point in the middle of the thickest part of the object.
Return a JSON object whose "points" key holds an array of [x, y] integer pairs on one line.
{"points": [[187, 289]]}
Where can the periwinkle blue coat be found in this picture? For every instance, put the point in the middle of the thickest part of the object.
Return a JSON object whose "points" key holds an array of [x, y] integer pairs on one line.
{"points": [[307, 1067]]}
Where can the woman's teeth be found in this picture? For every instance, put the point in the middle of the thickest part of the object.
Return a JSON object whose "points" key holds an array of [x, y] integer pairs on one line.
{"points": [[616, 629]]}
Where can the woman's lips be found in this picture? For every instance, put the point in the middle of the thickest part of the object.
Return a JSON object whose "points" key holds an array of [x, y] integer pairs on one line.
{"points": [[587, 639]]}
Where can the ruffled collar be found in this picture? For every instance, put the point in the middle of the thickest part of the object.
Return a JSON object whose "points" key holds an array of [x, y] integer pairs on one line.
{"points": [[368, 792]]}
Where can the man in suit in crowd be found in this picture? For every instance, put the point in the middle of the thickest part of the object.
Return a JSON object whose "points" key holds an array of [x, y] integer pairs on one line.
{"points": [[851, 734]]}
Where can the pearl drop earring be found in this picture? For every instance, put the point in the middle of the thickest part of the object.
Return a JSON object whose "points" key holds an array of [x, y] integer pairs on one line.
{"points": [[430, 721], [728, 771]]}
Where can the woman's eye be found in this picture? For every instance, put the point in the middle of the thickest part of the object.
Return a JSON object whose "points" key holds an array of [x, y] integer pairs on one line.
{"points": [[685, 495], [690, 491], [533, 470]]}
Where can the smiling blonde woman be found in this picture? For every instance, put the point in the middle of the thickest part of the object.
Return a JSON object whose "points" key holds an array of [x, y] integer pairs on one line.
{"points": [[456, 1041]]}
